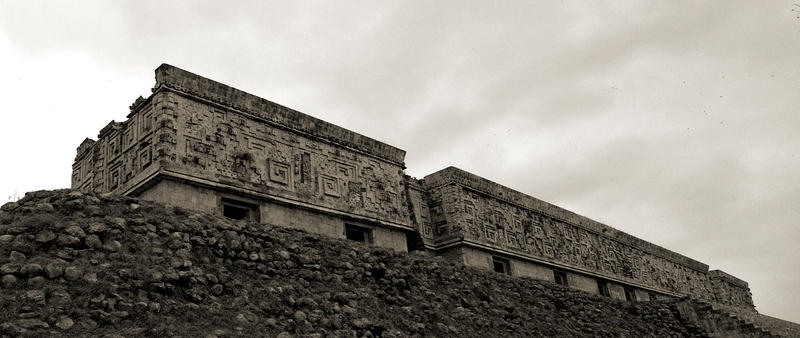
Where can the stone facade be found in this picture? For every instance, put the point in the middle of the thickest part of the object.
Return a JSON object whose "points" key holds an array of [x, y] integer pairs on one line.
{"points": [[468, 210], [199, 144]]}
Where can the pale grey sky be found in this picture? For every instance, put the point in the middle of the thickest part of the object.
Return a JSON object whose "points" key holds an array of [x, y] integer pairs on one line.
{"points": [[675, 121]]}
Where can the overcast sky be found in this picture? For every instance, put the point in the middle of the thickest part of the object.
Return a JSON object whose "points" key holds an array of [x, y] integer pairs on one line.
{"points": [[675, 121]]}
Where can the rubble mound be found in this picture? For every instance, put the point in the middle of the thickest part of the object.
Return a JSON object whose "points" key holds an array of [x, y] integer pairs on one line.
{"points": [[77, 264]]}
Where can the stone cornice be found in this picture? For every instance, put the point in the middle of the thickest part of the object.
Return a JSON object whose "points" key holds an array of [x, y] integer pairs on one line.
{"points": [[179, 79]]}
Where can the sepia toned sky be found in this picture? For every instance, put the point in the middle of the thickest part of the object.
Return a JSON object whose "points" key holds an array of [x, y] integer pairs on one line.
{"points": [[675, 121]]}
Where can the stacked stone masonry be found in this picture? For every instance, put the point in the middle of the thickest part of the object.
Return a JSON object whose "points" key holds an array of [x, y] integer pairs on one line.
{"points": [[200, 144]]}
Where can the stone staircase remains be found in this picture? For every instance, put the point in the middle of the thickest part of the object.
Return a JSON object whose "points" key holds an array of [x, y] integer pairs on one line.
{"points": [[717, 321]]}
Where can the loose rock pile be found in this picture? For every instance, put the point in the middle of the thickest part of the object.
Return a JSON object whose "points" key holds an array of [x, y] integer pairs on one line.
{"points": [[79, 264]]}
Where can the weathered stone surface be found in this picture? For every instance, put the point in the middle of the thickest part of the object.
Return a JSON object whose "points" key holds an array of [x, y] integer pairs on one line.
{"points": [[8, 281], [294, 156], [361, 323], [44, 207], [65, 323], [112, 245], [45, 236], [473, 209], [10, 268], [93, 210], [303, 292], [36, 296], [217, 289], [241, 318], [96, 228], [22, 244], [31, 269], [37, 281], [10, 206], [118, 222], [67, 240], [53, 270], [32, 324], [198, 144], [72, 273], [60, 297], [93, 242], [75, 231], [16, 257]]}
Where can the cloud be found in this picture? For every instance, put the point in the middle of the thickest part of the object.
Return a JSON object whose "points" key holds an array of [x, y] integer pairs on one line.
{"points": [[673, 121]]}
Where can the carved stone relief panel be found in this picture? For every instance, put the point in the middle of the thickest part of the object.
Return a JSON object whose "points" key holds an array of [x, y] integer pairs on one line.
{"points": [[122, 151], [445, 218], [146, 156], [76, 175], [511, 227], [279, 172], [113, 146], [114, 176], [228, 147], [147, 122], [330, 185]]}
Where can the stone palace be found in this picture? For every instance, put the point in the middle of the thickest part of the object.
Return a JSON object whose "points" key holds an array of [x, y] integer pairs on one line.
{"points": [[199, 144]]}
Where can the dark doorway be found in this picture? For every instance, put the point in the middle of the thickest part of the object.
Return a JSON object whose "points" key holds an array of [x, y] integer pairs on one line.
{"points": [[602, 287], [501, 265], [560, 277], [630, 293], [239, 210], [358, 234], [235, 212]]}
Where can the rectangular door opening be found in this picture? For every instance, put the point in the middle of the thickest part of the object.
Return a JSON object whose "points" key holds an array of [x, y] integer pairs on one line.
{"points": [[630, 293], [239, 210], [358, 234], [560, 277], [602, 287], [501, 265]]}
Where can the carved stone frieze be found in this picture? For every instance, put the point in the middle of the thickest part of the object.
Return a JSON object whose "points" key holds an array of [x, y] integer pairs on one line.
{"points": [[195, 130]]}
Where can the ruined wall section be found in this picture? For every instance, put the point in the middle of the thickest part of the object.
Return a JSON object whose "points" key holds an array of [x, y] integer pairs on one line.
{"points": [[445, 213], [82, 173], [220, 144], [418, 202], [729, 290], [465, 206], [122, 156]]}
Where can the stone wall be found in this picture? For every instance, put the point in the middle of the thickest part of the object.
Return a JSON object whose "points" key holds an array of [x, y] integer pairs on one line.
{"points": [[198, 129], [717, 322], [95, 265], [333, 170], [729, 290], [419, 208], [504, 194], [243, 152], [468, 208], [195, 142], [123, 155]]}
